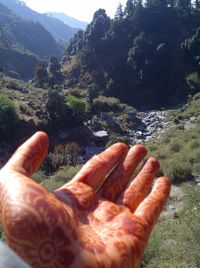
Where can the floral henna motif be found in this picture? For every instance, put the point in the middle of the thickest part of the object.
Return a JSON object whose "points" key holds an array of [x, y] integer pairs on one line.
{"points": [[118, 179], [74, 227], [36, 229]]}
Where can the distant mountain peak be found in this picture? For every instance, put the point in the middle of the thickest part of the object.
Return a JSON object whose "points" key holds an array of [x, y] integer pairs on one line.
{"points": [[59, 30], [72, 22]]}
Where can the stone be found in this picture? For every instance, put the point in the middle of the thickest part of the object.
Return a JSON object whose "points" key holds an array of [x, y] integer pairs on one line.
{"points": [[113, 125], [100, 137], [132, 115]]}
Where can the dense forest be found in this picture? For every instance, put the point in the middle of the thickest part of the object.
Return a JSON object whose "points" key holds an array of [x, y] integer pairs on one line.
{"points": [[147, 56]]}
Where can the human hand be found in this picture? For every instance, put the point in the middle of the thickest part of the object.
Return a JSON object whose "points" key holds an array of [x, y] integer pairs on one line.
{"points": [[89, 222]]}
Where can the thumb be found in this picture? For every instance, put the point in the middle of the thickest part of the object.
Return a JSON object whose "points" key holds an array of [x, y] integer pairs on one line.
{"points": [[29, 155]]}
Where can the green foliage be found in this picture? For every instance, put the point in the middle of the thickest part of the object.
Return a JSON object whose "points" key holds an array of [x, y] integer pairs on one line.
{"points": [[178, 149], [57, 109], [77, 106], [93, 92], [175, 146], [66, 173], [193, 82], [62, 155], [176, 242], [8, 117], [179, 171], [39, 176], [54, 72], [105, 104], [41, 75], [22, 42], [131, 56], [62, 176]]}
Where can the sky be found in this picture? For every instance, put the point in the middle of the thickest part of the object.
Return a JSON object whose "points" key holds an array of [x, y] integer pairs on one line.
{"points": [[79, 9]]}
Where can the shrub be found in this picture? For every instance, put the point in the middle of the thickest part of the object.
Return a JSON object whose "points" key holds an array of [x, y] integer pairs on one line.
{"points": [[193, 82], [194, 144], [62, 176], [196, 96], [39, 176], [8, 117], [77, 107], [11, 84], [175, 147], [65, 174], [62, 155], [179, 171], [105, 104], [78, 92], [93, 92], [56, 108]]}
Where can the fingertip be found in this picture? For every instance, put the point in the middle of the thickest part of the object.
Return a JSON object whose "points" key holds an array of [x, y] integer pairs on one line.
{"points": [[140, 148], [119, 146], [162, 187], [42, 136], [154, 163]]}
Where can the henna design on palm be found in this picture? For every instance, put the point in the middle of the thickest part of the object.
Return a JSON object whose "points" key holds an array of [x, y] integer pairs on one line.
{"points": [[99, 219]]}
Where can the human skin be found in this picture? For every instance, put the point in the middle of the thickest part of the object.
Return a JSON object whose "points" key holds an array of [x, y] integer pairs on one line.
{"points": [[98, 219]]}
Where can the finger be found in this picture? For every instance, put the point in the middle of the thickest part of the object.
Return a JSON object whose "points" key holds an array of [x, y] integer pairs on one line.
{"points": [[95, 170], [30, 154], [140, 186], [150, 209], [121, 175]]}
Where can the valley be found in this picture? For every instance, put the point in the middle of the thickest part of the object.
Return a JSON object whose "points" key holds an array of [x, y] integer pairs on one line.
{"points": [[131, 79]]}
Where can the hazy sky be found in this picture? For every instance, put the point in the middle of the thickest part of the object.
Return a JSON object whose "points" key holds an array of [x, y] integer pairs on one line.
{"points": [[80, 9]]}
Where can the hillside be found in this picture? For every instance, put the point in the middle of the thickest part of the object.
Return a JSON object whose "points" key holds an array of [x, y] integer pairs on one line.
{"points": [[74, 23], [144, 56], [59, 30], [22, 43], [132, 79], [175, 240]]}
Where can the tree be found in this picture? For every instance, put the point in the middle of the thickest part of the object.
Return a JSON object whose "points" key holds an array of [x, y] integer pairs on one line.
{"points": [[191, 49], [128, 11], [197, 4], [119, 13], [184, 4], [41, 75], [97, 29], [57, 110], [4, 41], [53, 70], [157, 3]]}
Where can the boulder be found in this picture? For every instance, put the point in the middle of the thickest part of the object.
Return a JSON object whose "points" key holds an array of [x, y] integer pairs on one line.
{"points": [[100, 137], [113, 125]]}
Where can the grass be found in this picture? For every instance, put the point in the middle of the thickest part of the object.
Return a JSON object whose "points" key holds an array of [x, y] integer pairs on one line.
{"points": [[62, 176], [176, 242], [178, 152]]}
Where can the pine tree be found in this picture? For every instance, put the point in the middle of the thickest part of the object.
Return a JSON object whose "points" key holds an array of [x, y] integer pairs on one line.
{"points": [[119, 13], [128, 11], [156, 3], [184, 4]]}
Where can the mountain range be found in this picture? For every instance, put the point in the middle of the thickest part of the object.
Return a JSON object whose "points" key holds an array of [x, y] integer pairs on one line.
{"points": [[22, 44], [60, 31], [27, 37], [74, 23]]}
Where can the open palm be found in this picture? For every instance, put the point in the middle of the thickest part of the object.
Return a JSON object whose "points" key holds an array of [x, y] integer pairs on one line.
{"points": [[98, 219]]}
